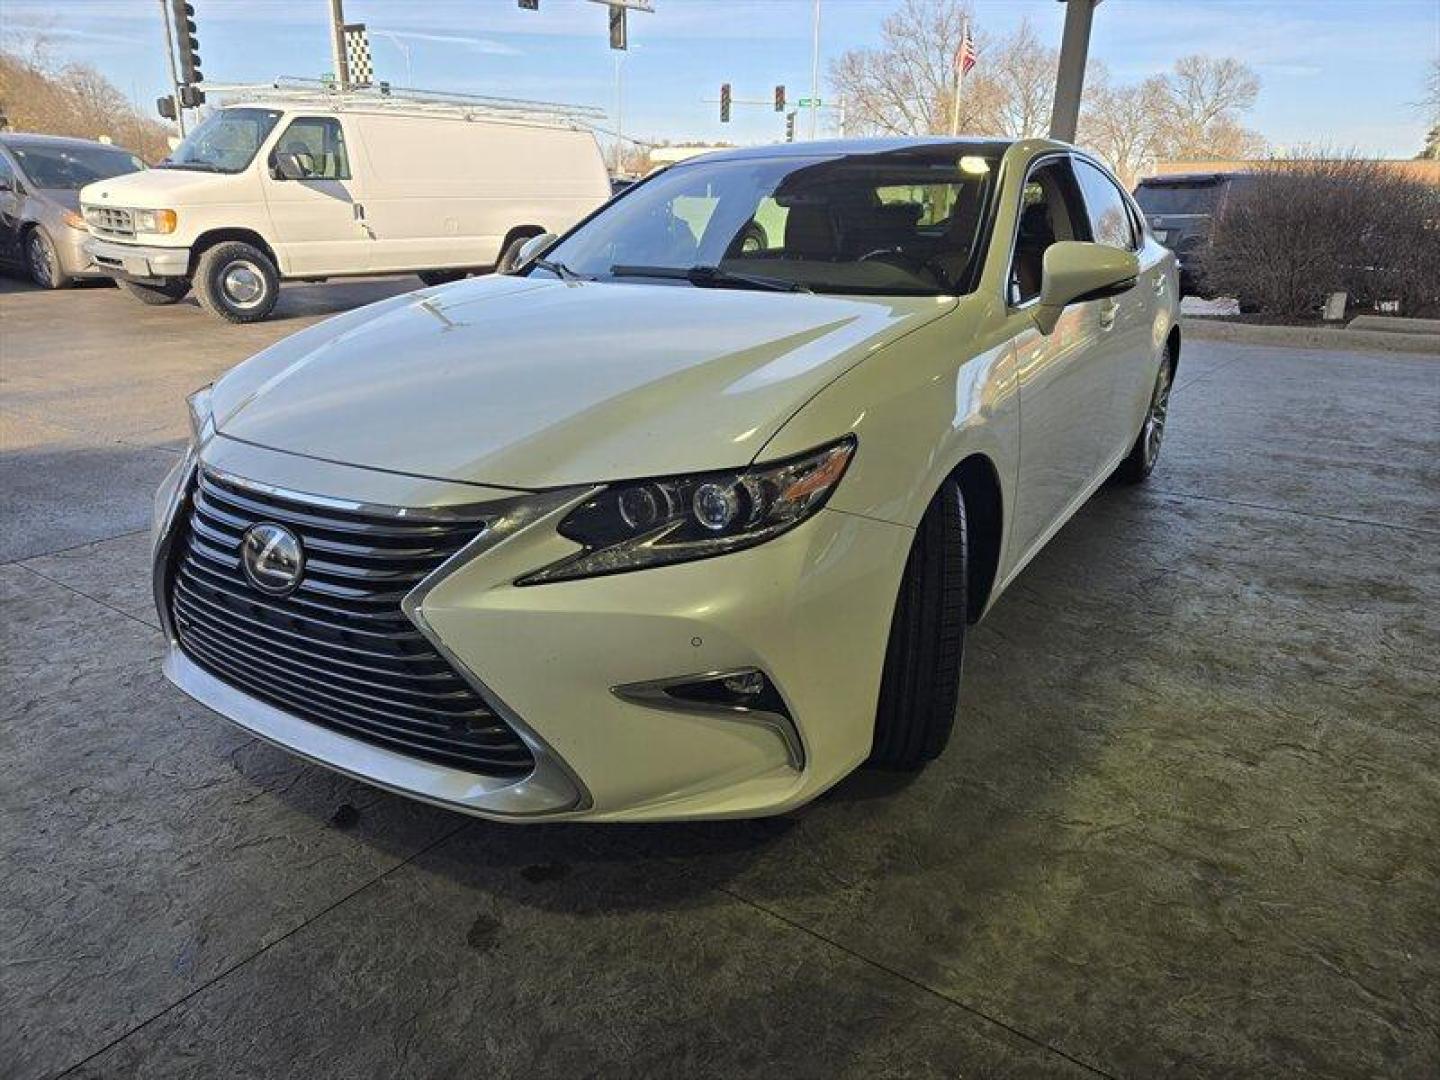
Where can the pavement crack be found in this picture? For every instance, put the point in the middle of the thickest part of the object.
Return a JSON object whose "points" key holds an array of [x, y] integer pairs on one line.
{"points": [[92, 599], [442, 838], [1418, 530], [918, 985], [73, 547]]}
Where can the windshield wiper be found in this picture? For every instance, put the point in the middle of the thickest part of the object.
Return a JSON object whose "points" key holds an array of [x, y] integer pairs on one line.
{"points": [[198, 166], [559, 269], [710, 276]]}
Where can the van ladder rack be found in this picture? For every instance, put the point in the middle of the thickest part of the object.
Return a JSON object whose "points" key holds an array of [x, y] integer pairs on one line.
{"points": [[408, 101]]}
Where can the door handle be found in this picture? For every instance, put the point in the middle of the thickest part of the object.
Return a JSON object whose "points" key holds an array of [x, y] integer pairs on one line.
{"points": [[1108, 310], [358, 211]]}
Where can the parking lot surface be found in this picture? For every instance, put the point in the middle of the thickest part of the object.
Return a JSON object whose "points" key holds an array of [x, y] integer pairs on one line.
{"points": [[1189, 822]]}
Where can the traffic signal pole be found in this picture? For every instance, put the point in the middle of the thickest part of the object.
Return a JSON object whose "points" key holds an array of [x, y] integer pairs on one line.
{"points": [[174, 71], [337, 44]]}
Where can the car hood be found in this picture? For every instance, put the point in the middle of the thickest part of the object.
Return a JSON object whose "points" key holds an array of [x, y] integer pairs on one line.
{"points": [[152, 189], [513, 382], [65, 198]]}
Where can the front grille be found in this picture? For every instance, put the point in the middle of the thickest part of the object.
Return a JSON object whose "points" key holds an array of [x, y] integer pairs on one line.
{"points": [[110, 220], [338, 652]]}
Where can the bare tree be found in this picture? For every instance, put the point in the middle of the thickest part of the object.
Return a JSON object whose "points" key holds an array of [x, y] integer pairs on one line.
{"points": [[903, 87], [1200, 102], [1430, 106], [1120, 124], [1015, 89]]}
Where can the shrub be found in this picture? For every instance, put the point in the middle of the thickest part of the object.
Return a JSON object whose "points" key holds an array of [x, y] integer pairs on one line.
{"points": [[1304, 229]]}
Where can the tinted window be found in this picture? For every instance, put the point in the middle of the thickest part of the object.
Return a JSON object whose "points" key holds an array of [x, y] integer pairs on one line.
{"points": [[890, 223], [1050, 210], [319, 147], [1109, 219], [1188, 198], [72, 167], [6, 172]]}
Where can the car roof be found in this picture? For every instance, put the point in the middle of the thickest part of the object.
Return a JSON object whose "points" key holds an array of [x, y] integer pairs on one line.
{"points": [[26, 138], [854, 147], [1189, 178]]}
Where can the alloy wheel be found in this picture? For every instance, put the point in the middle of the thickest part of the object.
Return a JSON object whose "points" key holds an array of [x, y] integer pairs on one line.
{"points": [[1155, 419]]}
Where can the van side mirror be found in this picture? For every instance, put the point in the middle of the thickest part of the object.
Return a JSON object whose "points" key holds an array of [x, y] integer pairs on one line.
{"points": [[1076, 271], [532, 249], [284, 165]]}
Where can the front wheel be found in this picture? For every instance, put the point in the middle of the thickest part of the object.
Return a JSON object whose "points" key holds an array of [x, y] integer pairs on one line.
{"points": [[440, 277], [1140, 462], [920, 687], [43, 261], [171, 291], [237, 281]]}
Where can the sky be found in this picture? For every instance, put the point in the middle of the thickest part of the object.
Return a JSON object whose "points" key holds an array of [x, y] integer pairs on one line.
{"points": [[1342, 73]]}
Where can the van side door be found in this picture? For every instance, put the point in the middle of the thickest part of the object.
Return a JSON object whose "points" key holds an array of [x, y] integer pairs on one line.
{"points": [[316, 218]]}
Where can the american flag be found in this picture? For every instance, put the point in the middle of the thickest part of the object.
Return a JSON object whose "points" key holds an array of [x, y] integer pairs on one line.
{"points": [[965, 55]]}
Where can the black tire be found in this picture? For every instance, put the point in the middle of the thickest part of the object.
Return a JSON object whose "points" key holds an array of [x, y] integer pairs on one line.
{"points": [[237, 281], [1248, 306], [920, 688], [441, 277], [1140, 462], [42, 261], [171, 292]]}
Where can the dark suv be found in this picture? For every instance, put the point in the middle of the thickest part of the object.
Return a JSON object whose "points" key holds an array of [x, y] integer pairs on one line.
{"points": [[1180, 209]]}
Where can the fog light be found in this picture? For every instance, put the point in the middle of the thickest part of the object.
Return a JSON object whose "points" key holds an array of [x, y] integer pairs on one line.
{"points": [[746, 695]]}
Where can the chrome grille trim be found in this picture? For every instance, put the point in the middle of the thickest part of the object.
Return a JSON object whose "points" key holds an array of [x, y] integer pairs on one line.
{"points": [[110, 220], [300, 652]]}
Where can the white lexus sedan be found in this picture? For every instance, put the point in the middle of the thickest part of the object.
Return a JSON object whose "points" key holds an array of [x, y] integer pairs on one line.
{"points": [[688, 516]]}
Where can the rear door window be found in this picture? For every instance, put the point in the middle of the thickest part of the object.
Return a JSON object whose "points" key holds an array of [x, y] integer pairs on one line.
{"points": [[1109, 218]]}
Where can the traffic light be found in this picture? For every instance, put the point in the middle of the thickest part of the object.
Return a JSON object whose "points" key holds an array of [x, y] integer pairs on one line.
{"points": [[779, 99], [725, 103], [190, 73], [790, 127], [165, 106], [530, 5], [617, 28]]}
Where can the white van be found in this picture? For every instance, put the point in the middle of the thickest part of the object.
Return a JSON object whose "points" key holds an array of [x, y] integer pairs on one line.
{"points": [[312, 185]]}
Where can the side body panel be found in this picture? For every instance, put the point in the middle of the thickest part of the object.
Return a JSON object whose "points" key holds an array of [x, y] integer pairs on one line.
{"points": [[444, 192], [313, 224]]}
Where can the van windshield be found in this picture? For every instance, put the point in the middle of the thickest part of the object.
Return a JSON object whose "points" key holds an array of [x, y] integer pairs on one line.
{"points": [[226, 142], [907, 222]]}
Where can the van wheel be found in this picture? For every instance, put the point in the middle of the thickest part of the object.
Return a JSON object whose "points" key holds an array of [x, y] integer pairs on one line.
{"points": [[920, 688], [237, 281], [440, 277], [43, 261], [171, 292]]}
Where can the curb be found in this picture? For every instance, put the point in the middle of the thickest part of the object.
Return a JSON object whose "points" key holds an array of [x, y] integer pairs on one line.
{"points": [[1307, 337]]}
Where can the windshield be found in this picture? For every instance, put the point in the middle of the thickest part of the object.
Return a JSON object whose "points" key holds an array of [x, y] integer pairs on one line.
{"points": [[1179, 198], [72, 167], [225, 142], [903, 222]]}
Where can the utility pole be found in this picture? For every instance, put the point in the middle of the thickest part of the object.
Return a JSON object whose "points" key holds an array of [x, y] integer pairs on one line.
{"points": [[174, 71], [337, 44], [815, 72], [1070, 79]]}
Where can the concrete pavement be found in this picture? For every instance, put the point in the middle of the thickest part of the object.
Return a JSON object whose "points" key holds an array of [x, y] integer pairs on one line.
{"points": [[1187, 825]]}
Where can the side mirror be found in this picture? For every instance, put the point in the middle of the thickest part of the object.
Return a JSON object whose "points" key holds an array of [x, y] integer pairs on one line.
{"points": [[6, 184], [1075, 271], [532, 249], [284, 165]]}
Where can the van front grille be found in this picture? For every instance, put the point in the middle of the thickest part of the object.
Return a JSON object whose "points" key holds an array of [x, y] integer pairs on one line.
{"points": [[338, 651], [110, 220]]}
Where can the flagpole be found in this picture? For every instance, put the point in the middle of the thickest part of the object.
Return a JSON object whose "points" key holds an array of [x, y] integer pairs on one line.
{"points": [[959, 74]]}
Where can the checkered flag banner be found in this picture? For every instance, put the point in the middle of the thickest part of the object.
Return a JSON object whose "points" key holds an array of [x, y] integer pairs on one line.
{"points": [[357, 55]]}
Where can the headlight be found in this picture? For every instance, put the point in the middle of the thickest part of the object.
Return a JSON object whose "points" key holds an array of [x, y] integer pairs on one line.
{"points": [[201, 416], [656, 522], [155, 221]]}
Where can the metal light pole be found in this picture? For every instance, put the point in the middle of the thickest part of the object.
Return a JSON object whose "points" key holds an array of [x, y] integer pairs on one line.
{"points": [[1070, 79], [337, 44], [815, 71], [174, 71], [619, 111]]}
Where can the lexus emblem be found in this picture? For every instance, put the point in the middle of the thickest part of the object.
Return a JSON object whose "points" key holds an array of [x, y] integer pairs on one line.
{"points": [[272, 558]]}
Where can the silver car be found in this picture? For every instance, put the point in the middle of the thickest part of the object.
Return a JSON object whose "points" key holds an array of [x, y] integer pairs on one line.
{"points": [[41, 231]]}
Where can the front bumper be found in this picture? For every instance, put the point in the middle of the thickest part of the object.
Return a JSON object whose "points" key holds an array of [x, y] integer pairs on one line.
{"points": [[137, 261], [75, 260], [811, 609]]}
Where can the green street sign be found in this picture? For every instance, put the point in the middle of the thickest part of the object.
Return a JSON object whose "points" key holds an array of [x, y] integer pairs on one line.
{"points": [[806, 102]]}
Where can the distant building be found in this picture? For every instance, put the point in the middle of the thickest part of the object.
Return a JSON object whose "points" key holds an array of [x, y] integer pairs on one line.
{"points": [[1417, 169]]}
